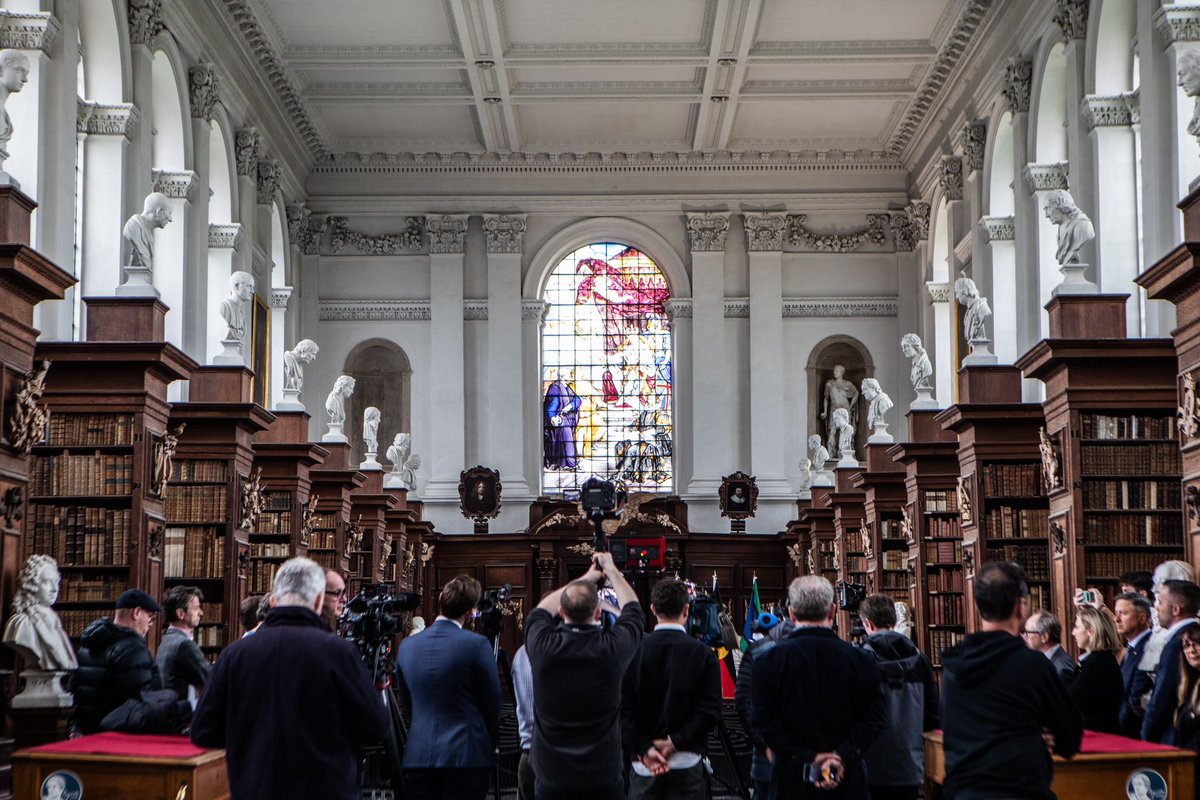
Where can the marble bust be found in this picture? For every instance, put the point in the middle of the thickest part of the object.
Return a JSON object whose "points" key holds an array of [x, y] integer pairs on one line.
{"points": [[233, 307], [1189, 81], [34, 630], [845, 435], [305, 352], [371, 429], [977, 310], [818, 453], [914, 351], [1074, 227], [139, 229], [335, 403], [404, 464], [14, 73]]}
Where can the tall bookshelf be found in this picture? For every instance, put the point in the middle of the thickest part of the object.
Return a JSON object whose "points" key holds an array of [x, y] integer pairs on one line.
{"points": [[1113, 431], [398, 570], [795, 541], [884, 496], [333, 483], [369, 507], [1001, 478], [851, 552]]}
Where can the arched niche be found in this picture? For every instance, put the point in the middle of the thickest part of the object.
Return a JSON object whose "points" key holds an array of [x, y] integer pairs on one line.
{"points": [[105, 50], [383, 378], [854, 356]]}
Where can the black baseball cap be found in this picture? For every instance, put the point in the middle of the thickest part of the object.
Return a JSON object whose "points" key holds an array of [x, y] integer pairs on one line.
{"points": [[136, 598]]}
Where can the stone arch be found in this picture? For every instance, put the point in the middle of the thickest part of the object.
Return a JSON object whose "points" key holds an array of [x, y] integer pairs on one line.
{"points": [[105, 48], [1048, 108], [854, 356], [383, 378], [1110, 49]]}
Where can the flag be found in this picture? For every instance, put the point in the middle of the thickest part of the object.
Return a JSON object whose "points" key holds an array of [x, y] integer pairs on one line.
{"points": [[753, 609]]}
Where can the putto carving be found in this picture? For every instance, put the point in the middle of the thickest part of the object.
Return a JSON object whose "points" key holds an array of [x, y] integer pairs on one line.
{"points": [[268, 180], [707, 231], [974, 143], [308, 519], [252, 501], [203, 87], [426, 552], [801, 236], [950, 178], [164, 454], [1189, 420], [410, 241], [796, 554], [27, 425], [963, 492], [447, 234], [1191, 498], [1051, 477], [765, 232], [248, 147], [1071, 17], [1018, 80], [505, 233], [145, 20], [10, 506], [1059, 538]]}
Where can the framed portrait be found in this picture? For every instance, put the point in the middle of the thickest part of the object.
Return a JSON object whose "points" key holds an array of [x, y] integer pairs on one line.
{"points": [[479, 493], [739, 496]]}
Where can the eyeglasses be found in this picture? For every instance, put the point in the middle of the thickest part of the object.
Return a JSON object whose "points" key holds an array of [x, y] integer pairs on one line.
{"points": [[1031, 633], [336, 592]]}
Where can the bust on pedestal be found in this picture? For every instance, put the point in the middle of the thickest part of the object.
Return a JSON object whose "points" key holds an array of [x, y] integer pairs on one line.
{"points": [[922, 370], [371, 439], [14, 73], [880, 404], [335, 407], [818, 455], [1074, 231], [404, 464], [233, 312], [974, 329], [35, 632], [138, 277], [305, 352]]}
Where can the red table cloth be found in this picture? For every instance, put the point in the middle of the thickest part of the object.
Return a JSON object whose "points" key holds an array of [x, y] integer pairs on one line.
{"points": [[125, 744]]}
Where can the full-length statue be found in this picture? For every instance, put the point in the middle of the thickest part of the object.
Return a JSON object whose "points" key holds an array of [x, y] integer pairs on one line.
{"points": [[305, 352], [1074, 227], [138, 278], [14, 73], [335, 407], [839, 393]]}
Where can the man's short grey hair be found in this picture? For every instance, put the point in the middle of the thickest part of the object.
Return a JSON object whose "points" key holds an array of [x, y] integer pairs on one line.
{"points": [[1047, 624], [810, 597], [299, 582]]}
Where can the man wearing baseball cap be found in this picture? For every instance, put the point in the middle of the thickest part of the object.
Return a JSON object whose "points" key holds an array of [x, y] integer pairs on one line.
{"points": [[115, 664]]}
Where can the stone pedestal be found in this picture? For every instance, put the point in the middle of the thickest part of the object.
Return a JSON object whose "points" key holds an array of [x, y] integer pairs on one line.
{"points": [[139, 282], [290, 401], [1074, 281], [335, 434], [43, 689]]}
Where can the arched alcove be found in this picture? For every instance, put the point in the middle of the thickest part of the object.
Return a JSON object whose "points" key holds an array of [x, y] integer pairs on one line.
{"points": [[1001, 174], [855, 358], [105, 50], [942, 243], [1048, 115], [168, 153], [383, 378], [277, 339], [1111, 48]]}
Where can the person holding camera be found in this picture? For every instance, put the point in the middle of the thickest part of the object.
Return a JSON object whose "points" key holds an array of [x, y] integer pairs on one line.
{"points": [[447, 678], [817, 702], [577, 669]]}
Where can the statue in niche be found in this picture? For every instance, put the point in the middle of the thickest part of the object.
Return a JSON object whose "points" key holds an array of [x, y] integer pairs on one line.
{"points": [[1189, 81], [14, 73], [1074, 227], [233, 307], [335, 403], [839, 394], [845, 434], [305, 352], [34, 630], [977, 310]]}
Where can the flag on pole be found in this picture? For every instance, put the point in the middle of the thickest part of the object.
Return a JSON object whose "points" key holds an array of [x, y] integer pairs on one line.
{"points": [[753, 609]]}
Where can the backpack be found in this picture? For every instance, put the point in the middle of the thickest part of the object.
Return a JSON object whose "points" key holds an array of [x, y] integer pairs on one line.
{"points": [[897, 758]]}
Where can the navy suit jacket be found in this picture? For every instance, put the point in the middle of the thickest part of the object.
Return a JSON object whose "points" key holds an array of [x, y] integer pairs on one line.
{"points": [[1136, 682], [447, 677], [1159, 724]]}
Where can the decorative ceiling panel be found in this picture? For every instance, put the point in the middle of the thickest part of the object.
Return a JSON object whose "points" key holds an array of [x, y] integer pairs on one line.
{"points": [[585, 127], [820, 124], [360, 23], [851, 20], [541, 22], [407, 129]]}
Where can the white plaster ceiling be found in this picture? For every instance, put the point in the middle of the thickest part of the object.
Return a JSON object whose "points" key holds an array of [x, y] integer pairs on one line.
{"points": [[555, 76]]}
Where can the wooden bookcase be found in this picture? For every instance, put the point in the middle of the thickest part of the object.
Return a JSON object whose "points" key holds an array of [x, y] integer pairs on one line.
{"points": [[369, 507], [333, 484], [1110, 412], [884, 496], [795, 540], [1001, 478], [850, 550]]}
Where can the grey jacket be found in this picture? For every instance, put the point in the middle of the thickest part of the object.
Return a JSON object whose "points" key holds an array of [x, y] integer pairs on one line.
{"points": [[181, 662]]}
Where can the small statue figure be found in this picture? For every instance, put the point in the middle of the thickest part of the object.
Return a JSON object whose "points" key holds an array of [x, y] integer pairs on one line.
{"points": [[14, 74], [806, 477], [1050, 476], [164, 453], [1189, 80], [34, 630], [29, 417], [880, 404], [904, 622], [1074, 227], [371, 438], [914, 351], [404, 465], [964, 500], [839, 393], [233, 311], [335, 407], [977, 310], [845, 437]]}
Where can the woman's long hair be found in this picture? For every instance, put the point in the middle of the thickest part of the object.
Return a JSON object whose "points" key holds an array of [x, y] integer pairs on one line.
{"points": [[1189, 676]]}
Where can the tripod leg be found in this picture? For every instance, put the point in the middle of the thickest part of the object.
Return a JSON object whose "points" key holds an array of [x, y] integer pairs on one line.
{"points": [[727, 746]]}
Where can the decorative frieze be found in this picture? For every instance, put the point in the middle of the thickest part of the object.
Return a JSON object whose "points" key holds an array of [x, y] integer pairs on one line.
{"points": [[410, 241], [806, 307], [447, 233], [918, 211], [938, 292], [475, 309], [226, 236], [374, 310], [765, 232], [145, 21], [1109, 111], [1018, 81], [100, 119], [1071, 16], [1044, 177], [280, 296], [707, 231], [203, 85], [999, 229], [180, 184], [268, 181], [505, 233], [737, 308], [1178, 23], [33, 31], [950, 177], [679, 308], [312, 236], [874, 233], [248, 147], [297, 222], [974, 144], [534, 310]]}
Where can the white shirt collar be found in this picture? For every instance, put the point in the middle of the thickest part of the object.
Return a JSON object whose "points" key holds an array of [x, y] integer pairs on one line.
{"points": [[1140, 637], [1180, 624], [440, 618], [670, 626]]}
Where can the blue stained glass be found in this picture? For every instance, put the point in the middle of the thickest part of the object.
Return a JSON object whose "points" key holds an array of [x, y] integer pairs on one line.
{"points": [[607, 372]]}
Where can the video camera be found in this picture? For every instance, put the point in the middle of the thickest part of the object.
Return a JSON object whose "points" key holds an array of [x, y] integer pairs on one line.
{"points": [[490, 610], [371, 622], [601, 500], [850, 595]]}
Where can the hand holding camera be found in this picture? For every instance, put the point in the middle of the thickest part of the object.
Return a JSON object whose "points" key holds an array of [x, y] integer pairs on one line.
{"points": [[825, 771]]}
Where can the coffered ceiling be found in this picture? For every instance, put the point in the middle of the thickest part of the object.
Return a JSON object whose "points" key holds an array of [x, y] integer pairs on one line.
{"points": [[605, 76]]}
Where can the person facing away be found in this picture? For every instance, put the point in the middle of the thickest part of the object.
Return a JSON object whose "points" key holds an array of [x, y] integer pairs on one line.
{"points": [[180, 661], [670, 702], [1043, 633], [447, 677], [1000, 697], [770, 630], [817, 702], [896, 762], [292, 705], [1098, 688], [1176, 606], [522, 678], [1133, 611], [577, 669]]}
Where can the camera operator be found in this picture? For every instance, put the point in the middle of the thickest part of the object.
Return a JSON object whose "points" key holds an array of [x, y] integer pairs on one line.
{"points": [[577, 671], [447, 677]]}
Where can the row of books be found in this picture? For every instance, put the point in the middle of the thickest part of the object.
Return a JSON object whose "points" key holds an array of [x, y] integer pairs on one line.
{"points": [[328, 559], [1039, 597], [1130, 529], [277, 501], [323, 540], [210, 635], [1034, 559], [826, 562], [1112, 565], [1132, 460], [942, 526], [81, 535], [895, 559], [198, 504], [270, 550], [1012, 480], [941, 500], [899, 594], [855, 541], [93, 474], [261, 574], [275, 523], [1134, 426], [942, 640], [856, 563], [74, 620], [194, 553], [1005, 522], [90, 430], [944, 580], [199, 470], [1134, 495], [890, 529], [894, 580], [943, 552], [76, 588], [946, 610]]}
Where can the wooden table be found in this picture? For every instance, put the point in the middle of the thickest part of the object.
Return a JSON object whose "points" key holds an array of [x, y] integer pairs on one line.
{"points": [[1089, 775], [127, 768]]}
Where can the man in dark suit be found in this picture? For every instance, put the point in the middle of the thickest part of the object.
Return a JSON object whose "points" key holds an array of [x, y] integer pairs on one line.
{"points": [[670, 702], [1178, 602], [447, 677], [1043, 633], [1132, 612], [817, 702]]}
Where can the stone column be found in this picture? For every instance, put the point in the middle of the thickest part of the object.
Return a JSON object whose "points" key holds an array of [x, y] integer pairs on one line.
{"points": [[248, 150], [106, 130], [447, 240], [280, 296], [765, 234], [145, 23], [1000, 234], [1072, 18], [505, 387], [171, 243], [223, 244], [202, 97], [940, 298], [711, 399], [683, 368], [533, 318], [973, 139]]}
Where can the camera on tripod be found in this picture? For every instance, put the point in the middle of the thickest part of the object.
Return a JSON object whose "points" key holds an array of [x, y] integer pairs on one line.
{"points": [[850, 595], [490, 610], [371, 622], [599, 496]]}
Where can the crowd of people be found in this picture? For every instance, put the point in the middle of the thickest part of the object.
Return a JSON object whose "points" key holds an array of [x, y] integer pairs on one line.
{"points": [[607, 711]]}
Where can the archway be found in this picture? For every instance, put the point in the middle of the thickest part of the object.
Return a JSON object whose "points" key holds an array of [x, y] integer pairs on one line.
{"points": [[383, 378], [854, 357]]}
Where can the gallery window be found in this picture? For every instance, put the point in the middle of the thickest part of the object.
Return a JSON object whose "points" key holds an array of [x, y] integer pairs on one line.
{"points": [[607, 371]]}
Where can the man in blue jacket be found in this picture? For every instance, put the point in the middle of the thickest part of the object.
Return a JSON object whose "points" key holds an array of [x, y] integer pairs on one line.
{"points": [[447, 676], [1176, 605], [293, 705]]}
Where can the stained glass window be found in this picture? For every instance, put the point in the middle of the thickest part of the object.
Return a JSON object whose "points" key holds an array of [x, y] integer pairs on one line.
{"points": [[606, 374]]}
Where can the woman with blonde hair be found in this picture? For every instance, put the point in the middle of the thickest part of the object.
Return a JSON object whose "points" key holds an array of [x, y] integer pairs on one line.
{"points": [[1098, 687]]}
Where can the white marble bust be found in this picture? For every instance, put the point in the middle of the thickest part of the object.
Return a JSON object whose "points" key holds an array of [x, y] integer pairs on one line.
{"points": [[305, 352], [977, 309], [335, 403], [139, 229], [1189, 81], [1074, 227], [34, 630], [14, 73], [879, 402], [914, 351], [233, 307], [371, 429]]}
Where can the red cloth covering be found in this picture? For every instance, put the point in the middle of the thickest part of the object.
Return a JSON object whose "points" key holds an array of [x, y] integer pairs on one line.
{"points": [[125, 744], [727, 685], [1094, 742]]}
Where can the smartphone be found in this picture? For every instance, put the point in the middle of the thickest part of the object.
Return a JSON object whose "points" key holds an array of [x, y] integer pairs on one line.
{"points": [[1087, 596]]}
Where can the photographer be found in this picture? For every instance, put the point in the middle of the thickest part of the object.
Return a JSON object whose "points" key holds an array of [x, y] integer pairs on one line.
{"points": [[577, 670], [447, 677]]}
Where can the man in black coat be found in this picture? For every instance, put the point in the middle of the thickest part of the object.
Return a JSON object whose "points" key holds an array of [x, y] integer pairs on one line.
{"points": [[293, 705], [773, 630], [817, 702], [998, 699], [670, 702], [1177, 604]]}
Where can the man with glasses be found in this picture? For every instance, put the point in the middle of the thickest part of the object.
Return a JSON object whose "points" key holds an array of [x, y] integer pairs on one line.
{"points": [[336, 598], [1043, 633]]}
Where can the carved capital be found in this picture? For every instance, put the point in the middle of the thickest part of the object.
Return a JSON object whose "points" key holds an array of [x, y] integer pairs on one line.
{"points": [[938, 292], [224, 236], [534, 310], [280, 295], [1178, 23], [950, 177], [145, 21], [918, 211], [475, 309], [1044, 177], [267, 181], [203, 85], [247, 146], [904, 232], [1071, 16], [1018, 80], [34, 31], [999, 229], [505, 233], [1110, 111], [707, 231], [679, 308], [447, 233], [765, 232], [180, 184], [974, 143], [99, 119], [297, 222]]}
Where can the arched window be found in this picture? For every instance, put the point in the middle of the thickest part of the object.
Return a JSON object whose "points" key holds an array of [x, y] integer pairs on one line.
{"points": [[606, 371]]}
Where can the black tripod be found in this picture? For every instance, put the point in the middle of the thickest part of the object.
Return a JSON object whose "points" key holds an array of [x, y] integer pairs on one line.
{"points": [[505, 673], [381, 775]]}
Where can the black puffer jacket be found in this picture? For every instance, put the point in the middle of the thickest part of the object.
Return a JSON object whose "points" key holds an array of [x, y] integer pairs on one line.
{"points": [[115, 665]]}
